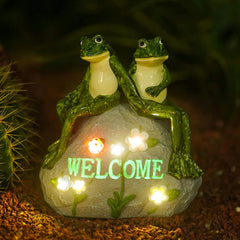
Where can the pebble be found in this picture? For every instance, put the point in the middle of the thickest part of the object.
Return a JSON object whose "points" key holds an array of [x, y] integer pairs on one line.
{"points": [[237, 209]]}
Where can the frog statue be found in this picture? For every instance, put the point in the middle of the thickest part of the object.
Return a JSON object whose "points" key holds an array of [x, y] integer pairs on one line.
{"points": [[151, 79], [97, 93], [144, 87]]}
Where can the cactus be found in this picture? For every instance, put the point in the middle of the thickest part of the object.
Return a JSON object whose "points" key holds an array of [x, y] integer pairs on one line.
{"points": [[16, 129]]}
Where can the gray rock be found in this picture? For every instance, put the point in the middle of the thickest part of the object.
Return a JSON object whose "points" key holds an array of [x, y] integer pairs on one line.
{"points": [[114, 126]]}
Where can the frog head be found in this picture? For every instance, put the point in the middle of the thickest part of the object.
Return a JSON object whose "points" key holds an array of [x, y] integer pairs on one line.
{"points": [[151, 50], [94, 49]]}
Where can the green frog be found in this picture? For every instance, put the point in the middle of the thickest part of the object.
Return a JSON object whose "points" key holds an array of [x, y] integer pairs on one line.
{"points": [[151, 79], [98, 92]]}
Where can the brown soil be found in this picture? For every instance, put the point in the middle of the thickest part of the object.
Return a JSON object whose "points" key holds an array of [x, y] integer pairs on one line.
{"points": [[214, 213]]}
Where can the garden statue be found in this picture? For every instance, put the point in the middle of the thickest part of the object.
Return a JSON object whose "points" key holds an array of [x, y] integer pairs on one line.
{"points": [[151, 78], [124, 160], [97, 93]]}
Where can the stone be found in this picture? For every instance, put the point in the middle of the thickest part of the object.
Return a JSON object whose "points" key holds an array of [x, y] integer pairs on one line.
{"points": [[101, 178]]}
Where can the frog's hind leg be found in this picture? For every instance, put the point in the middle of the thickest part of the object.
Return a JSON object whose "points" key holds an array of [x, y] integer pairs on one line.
{"points": [[169, 112], [182, 164], [52, 149], [192, 168], [57, 149], [94, 106]]}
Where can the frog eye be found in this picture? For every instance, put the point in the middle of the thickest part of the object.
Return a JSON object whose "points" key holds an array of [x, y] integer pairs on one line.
{"points": [[142, 44], [98, 39], [160, 42]]}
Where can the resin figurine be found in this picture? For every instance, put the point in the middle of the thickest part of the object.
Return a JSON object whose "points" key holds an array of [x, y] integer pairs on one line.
{"points": [[97, 93], [151, 78], [124, 160]]}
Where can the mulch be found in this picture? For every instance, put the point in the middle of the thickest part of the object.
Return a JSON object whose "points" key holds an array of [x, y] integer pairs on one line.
{"points": [[213, 214]]}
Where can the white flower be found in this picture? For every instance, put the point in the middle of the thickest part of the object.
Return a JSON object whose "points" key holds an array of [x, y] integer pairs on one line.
{"points": [[64, 183], [117, 149], [137, 140], [79, 186], [159, 194]]}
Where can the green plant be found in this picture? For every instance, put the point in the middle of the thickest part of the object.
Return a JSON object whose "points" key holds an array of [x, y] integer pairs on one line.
{"points": [[16, 129], [118, 202], [171, 194]]}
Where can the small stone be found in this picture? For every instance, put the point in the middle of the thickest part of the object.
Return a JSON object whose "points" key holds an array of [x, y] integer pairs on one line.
{"points": [[233, 168], [219, 173], [237, 209], [208, 225]]}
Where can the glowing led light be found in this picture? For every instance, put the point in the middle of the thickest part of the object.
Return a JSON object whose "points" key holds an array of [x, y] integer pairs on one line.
{"points": [[79, 186], [137, 140], [64, 183], [159, 194], [95, 145], [117, 149]]}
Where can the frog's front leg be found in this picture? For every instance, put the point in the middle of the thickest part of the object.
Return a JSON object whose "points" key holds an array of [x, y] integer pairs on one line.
{"points": [[154, 91]]}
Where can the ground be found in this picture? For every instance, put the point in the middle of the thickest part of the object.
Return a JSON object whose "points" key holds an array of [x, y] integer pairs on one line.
{"points": [[213, 214]]}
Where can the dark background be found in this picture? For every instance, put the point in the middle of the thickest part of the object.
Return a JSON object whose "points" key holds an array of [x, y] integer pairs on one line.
{"points": [[202, 38], [203, 41]]}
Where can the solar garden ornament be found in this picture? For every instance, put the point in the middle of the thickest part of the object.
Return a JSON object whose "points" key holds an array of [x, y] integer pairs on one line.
{"points": [[151, 78], [124, 160], [97, 93]]}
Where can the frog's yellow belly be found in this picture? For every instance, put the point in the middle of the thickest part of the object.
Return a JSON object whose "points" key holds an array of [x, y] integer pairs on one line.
{"points": [[149, 76], [102, 80]]}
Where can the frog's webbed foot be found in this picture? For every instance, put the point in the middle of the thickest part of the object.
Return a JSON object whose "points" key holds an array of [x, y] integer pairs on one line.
{"points": [[52, 157], [181, 165], [49, 160]]}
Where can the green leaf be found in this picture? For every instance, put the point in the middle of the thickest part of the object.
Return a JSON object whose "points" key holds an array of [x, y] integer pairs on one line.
{"points": [[173, 194], [54, 182], [117, 197], [111, 203], [151, 142], [79, 197], [127, 200], [152, 210]]}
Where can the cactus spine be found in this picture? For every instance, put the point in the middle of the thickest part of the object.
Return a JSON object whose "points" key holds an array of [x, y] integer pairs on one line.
{"points": [[16, 129]]}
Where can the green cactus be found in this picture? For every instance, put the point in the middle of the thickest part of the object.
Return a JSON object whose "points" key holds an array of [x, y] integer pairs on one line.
{"points": [[16, 129]]}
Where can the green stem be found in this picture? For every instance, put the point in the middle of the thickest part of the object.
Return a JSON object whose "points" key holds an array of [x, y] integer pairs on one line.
{"points": [[74, 209], [122, 177], [152, 210]]}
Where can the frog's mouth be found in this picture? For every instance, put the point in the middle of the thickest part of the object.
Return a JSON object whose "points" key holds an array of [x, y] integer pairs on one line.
{"points": [[149, 60], [96, 58]]}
